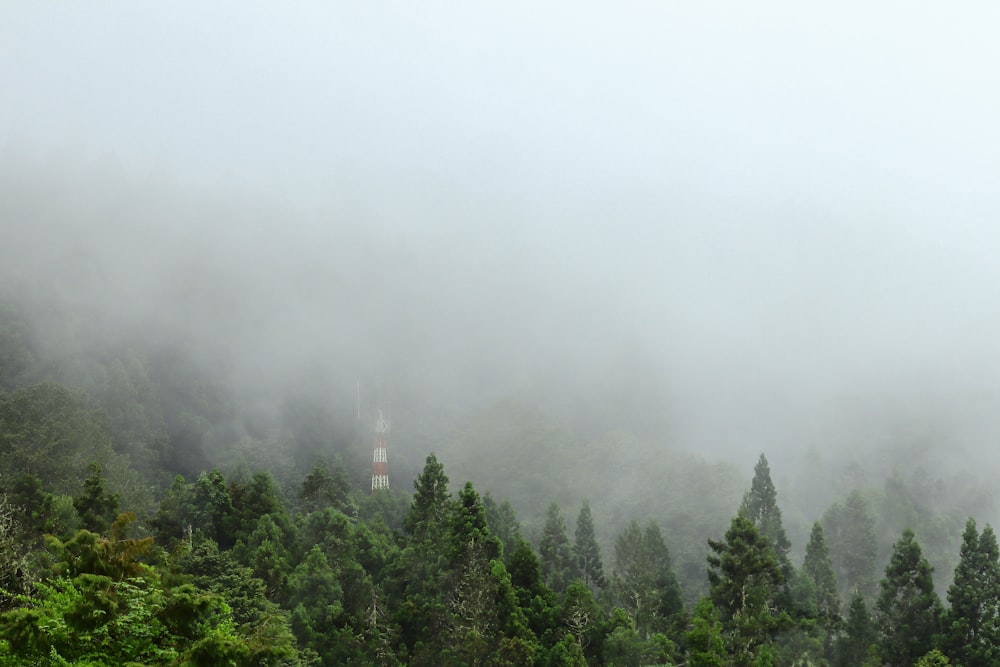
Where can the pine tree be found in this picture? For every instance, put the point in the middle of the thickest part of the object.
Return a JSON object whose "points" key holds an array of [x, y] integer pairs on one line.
{"points": [[430, 506], [587, 551], [760, 505], [555, 553], [909, 612], [972, 624], [817, 565], [95, 508], [744, 578], [644, 583], [860, 634], [426, 562], [849, 530]]}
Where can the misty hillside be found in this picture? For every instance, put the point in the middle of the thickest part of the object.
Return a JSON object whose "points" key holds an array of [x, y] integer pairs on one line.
{"points": [[663, 303]]}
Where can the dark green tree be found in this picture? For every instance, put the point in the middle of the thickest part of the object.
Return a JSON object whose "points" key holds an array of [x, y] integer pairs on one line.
{"points": [[972, 623], [555, 553], [857, 645], [760, 505], [425, 563], [316, 600], [174, 516], [909, 612], [587, 551], [214, 515], [96, 508], [819, 568], [430, 507], [327, 486], [744, 579]]}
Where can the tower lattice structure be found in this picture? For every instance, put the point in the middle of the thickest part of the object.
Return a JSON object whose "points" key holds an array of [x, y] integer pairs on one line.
{"points": [[380, 465]]}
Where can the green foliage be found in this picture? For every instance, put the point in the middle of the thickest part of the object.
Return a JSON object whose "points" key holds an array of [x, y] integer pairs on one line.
{"points": [[760, 505], [16, 571], [95, 508], [503, 524], [818, 567], [849, 529], [175, 514], [644, 584], [934, 658], [51, 433], [744, 578], [106, 607], [909, 612], [587, 551], [859, 637], [213, 513], [559, 567], [327, 486], [972, 622], [706, 646]]}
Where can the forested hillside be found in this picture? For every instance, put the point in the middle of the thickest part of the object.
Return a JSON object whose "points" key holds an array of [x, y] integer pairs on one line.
{"points": [[678, 322], [147, 509]]}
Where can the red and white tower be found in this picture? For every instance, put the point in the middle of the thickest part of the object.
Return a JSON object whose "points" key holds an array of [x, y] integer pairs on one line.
{"points": [[380, 466]]}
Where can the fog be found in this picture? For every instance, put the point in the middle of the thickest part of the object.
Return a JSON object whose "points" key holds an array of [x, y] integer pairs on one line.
{"points": [[727, 228]]}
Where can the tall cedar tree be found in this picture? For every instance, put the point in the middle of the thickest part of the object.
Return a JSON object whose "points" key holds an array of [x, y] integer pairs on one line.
{"points": [[909, 612], [760, 505], [972, 624], [554, 552], [849, 529], [644, 582], [744, 579], [95, 508], [425, 562], [817, 565], [857, 643], [588, 553]]}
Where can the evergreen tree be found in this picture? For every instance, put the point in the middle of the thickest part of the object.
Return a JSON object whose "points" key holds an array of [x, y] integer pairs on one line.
{"points": [[214, 515], [818, 567], [644, 583], [706, 647], [430, 507], [857, 643], [172, 521], [972, 624], [909, 612], [95, 508], [587, 551], [555, 553], [760, 505], [849, 529], [744, 578], [326, 486], [425, 562]]}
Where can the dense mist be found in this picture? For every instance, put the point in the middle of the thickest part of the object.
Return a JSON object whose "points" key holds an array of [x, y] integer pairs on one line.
{"points": [[691, 231]]}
